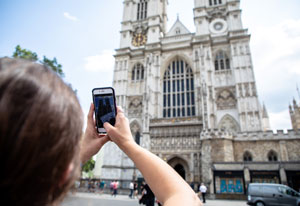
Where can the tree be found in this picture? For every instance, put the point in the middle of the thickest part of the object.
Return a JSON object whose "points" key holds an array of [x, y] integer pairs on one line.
{"points": [[87, 169], [25, 54], [32, 56], [88, 166], [56, 67]]}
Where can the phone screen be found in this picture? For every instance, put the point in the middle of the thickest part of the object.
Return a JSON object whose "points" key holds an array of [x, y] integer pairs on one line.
{"points": [[104, 109]]}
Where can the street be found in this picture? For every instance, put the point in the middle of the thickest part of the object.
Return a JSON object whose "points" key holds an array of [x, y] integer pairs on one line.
{"points": [[88, 199]]}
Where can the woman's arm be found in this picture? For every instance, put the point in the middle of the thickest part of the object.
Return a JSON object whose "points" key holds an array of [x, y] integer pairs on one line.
{"points": [[163, 180]]}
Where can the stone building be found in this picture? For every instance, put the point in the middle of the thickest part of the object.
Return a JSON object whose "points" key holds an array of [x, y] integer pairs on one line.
{"points": [[191, 99], [295, 115]]}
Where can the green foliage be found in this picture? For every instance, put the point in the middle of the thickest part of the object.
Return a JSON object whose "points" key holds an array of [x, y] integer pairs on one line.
{"points": [[56, 67], [25, 54], [32, 56], [88, 166]]}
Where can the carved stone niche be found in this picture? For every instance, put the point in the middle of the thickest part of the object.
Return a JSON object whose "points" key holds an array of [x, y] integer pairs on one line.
{"points": [[135, 106], [228, 123], [226, 98], [217, 13]]}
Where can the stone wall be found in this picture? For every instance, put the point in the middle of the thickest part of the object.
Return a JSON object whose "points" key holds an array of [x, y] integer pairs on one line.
{"points": [[293, 148], [258, 149]]}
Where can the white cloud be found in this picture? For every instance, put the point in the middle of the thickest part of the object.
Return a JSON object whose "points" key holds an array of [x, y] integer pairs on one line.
{"points": [[68, 16], [280, 120], [274, 50], [103, 62]]}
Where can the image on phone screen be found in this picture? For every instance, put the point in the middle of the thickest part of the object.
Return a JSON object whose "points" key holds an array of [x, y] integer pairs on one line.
{"points": [[105, 109]]}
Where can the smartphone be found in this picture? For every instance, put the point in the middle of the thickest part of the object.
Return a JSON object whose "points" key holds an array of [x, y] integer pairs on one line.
{"points": [[105, 107]]}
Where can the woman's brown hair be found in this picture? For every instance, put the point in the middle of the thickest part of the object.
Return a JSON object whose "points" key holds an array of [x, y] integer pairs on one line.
{"points": [[40, 128]]}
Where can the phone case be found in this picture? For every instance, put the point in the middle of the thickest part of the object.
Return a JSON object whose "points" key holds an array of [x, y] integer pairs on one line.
{"points": [[114, 100]]}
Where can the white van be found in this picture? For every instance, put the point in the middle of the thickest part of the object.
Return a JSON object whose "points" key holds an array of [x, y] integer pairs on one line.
{"points": [[262, 194]]}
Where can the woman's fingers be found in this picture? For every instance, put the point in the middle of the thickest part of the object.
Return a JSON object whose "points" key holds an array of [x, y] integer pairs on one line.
{"points": [[108, 127], [119, 109], [91, 120]]}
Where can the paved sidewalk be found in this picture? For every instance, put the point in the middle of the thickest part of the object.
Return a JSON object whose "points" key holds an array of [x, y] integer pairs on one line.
{"points": [[95, 199], [101, 196]]}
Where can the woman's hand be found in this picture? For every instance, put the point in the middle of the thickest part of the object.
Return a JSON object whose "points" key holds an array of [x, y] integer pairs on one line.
{"points": [[92, 142], [120, 133]]}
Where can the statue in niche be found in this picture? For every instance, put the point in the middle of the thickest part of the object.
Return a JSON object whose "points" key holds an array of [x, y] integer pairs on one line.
{"points": [[136, 131]]}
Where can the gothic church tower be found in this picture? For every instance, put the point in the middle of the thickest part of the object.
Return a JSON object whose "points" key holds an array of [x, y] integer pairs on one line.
{"points": [[175, 84], [225, 59]]}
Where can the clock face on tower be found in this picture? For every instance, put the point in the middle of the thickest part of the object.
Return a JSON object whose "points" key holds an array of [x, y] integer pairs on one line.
{"points": [[218, 26], [139, 39]]}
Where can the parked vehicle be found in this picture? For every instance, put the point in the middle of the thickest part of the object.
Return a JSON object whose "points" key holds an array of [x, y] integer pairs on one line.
{"points": [[262, 194]]}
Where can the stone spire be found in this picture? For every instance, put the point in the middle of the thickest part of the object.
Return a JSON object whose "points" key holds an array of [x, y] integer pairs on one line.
{"points": [[265, 112], [265, 118]]}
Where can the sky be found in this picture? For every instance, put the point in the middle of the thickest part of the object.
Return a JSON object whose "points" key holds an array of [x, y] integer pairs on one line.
{"points": [[83, 36]]}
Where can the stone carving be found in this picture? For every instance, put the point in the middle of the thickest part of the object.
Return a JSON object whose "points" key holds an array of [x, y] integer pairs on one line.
{"points": [[135, 107], [228, 123], [134, 127], [226, 99], [175, 138], [217, 13]]}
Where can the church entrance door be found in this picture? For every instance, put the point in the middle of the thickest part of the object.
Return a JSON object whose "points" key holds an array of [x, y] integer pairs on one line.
{"points": [[181, 167], [180, 170]]}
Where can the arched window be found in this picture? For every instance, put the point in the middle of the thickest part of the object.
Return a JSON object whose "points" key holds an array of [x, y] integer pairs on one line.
{"points": [[214, 2], [222, 61], [247, 157], [142, 8], [137, 72], [272, 156], [178, 90], [137, 137]]}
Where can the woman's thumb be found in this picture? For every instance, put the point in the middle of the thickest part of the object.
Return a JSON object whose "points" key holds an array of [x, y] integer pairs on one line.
{"points": [[108, 127]]}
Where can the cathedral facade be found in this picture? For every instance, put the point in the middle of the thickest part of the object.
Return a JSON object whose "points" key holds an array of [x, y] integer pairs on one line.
{"points": [[191, 99]]}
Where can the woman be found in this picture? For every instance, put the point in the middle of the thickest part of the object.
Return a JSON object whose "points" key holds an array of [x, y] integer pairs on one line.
{"points": [[41, 146]]}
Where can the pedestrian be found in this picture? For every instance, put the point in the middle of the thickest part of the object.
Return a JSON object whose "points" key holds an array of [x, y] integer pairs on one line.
{"points": [[42, 143], [102, 186], [131, 187], [115, 188], [135, 188], [148, 197], [111, 187], [89, 185], [203, 190]]}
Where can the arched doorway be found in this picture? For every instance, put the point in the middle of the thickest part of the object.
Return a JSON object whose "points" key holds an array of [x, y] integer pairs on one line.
{"points": [[180, 165], [180, 170]]}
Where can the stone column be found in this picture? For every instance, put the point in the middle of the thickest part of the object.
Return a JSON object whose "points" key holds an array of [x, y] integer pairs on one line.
{"points": [[247, 177], [206, 163], [283, 151], [192, 168], [211, 182], [283, 176]]}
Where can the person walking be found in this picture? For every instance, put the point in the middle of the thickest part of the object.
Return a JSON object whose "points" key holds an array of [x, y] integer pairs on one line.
{"points": [[101, 186], [148, 197], [203, 190], [115, 188], [131, 187], [135, 188]]}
